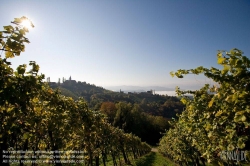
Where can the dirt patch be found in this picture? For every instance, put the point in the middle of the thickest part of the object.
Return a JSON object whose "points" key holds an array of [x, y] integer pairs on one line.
{"points": [[154, 150]]}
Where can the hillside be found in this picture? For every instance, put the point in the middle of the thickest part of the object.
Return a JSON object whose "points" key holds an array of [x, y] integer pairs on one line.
{"points": [[153, 104], [144, 114]]}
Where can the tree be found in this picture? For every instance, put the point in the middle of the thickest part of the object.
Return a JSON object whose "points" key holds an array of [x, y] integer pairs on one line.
{"points": [[109, 109]]}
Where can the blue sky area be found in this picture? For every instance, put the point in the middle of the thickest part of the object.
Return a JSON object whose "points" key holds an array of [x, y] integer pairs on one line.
{"points": [[132, 42]]}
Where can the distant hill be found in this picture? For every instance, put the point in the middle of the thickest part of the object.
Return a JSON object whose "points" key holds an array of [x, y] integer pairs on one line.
{"points": [[145, 114], [126, 88], [151, 103]]}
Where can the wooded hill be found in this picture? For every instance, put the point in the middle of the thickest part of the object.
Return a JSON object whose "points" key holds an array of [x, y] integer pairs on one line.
{"points": [[144, 114], [153, 104]]}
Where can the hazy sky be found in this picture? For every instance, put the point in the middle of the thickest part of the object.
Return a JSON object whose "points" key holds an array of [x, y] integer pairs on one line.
{"points": [[129, 42]]}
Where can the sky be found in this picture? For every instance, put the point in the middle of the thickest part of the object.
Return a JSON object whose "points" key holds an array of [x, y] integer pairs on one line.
{"points": [[132, 42]]}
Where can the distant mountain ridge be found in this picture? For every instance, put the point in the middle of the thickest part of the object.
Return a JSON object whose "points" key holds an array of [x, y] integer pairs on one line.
{"points": [[127, 88]]}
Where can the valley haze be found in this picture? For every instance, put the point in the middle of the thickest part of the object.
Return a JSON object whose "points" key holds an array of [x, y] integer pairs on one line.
{"points": [[128, 88]]}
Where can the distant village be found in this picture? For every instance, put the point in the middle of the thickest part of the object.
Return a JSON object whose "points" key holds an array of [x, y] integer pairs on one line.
{"points": [[59, 81]]}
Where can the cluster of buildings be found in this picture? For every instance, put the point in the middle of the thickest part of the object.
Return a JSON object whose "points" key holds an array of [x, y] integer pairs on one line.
{"points": [[64, 81]]}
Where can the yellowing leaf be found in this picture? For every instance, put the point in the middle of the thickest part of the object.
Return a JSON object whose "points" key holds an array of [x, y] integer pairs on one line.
{"points": [[35, 100], [240, 113], [9, 54], [221, 60], [232, 62], [219, 54], [240, 118], [243, 118], [183, 100], [229, 98], [218, 113], [50, 91], [211, 103], [172, 74], [225, 70]]}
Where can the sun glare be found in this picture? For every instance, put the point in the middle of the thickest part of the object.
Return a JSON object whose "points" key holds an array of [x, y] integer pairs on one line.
{"points": [[27, 24]]}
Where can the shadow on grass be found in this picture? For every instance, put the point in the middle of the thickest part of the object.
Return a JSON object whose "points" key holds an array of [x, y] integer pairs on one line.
{"points": [[147, 160]]}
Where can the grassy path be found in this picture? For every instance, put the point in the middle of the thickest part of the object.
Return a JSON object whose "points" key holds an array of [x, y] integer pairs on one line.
{"points": [[153, 159]]}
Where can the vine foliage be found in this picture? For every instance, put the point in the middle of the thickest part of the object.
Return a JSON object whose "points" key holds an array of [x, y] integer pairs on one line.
{"points": [[35, 117], [217, 118]]}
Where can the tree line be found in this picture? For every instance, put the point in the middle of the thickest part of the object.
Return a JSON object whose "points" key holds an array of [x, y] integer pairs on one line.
{"points": [[132, 118]]}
